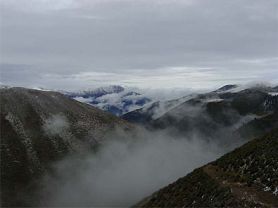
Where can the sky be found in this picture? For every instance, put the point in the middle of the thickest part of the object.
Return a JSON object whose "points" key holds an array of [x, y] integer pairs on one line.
{"points": [[163, 44]]}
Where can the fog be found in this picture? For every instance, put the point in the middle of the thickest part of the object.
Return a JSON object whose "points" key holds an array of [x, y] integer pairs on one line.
{"points": [[125, 169], [128, 166], [56, 124]]}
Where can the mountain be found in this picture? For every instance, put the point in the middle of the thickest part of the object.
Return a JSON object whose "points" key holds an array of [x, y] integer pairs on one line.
{"points": [[157, 109], [245, 177], [226, 88], [242, 98], [239, 114], [153, 110], [40, 127], [114, 99], [207, 113]]}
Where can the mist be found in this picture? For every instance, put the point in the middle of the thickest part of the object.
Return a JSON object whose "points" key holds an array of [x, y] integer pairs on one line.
{"points": [[56, 124], [126, 168]]}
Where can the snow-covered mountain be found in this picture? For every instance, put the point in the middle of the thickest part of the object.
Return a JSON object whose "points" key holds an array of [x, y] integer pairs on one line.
{"points": [[114, 99]]}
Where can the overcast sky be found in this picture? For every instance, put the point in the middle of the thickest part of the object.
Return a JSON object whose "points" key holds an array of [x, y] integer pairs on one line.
{"points": [[73, 44]]}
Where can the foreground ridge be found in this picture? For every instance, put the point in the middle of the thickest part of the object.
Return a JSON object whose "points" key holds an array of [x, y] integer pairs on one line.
{"points": [[246, 177]]}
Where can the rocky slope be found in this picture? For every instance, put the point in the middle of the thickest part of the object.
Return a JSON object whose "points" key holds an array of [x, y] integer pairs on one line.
{"points": [[246, 177], [39, 127]]}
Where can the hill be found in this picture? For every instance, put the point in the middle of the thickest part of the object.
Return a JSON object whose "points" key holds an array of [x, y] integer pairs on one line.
{"points": [[40, 127], [245, 177]]}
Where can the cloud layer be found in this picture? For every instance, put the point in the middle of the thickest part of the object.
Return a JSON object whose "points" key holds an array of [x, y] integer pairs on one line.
{"points": [[155, 43], [125, 170]]}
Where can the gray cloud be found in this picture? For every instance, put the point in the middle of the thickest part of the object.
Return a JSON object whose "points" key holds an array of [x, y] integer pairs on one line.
{"points": [[129, 166], [125, 170], [141, 39]]}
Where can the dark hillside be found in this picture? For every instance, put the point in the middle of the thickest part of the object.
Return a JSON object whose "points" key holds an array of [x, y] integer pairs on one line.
{"points": [[40, 127], [246, 177]]}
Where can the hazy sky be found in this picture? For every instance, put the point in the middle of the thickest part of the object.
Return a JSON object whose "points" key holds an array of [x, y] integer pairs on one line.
{"points": [[71, 44]]}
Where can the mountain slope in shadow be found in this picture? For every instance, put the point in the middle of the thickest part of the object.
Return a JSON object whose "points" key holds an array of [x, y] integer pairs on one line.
{"points": [[40, 127], [246, 177]]}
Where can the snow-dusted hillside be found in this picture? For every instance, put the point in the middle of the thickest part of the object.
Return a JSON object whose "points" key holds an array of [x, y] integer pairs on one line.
{"points": [[40, 127]]}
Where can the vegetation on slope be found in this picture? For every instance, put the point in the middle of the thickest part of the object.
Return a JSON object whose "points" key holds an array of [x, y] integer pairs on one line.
{"points": [[246, 177], [38, 128]]}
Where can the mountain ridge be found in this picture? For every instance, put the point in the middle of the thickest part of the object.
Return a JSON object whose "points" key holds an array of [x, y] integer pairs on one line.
{"points": [[223, 93], [40, 127]]}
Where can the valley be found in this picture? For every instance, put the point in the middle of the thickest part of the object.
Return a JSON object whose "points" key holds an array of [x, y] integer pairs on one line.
{"points": [[51, 143]]}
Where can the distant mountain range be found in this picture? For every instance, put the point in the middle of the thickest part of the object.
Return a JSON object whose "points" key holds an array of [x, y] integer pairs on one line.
{"points": [[114, 99], [155, 110], [237, 110]]}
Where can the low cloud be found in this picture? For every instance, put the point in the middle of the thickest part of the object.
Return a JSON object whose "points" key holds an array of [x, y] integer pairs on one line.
{"points": [[125, 169], [138, 43]]}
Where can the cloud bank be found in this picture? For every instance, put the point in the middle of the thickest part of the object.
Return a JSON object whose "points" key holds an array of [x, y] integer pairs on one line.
{"points": [[125, 170], [157, 43]]}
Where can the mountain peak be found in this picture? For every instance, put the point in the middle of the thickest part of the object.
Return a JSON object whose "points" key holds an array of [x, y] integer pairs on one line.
{"points": [[110, 89], [226, 88]]}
